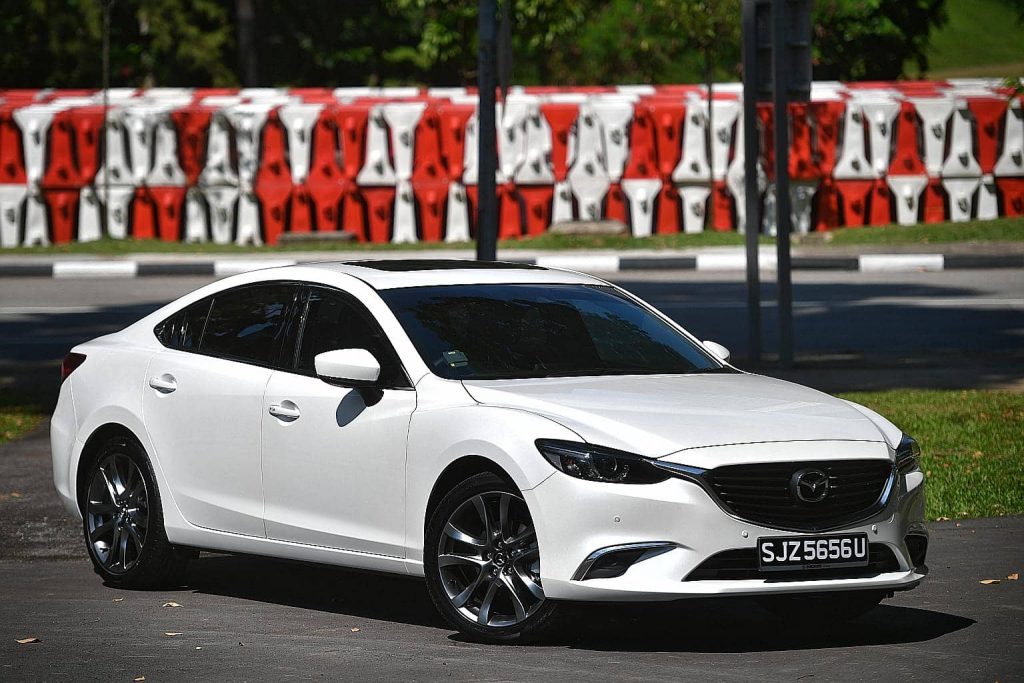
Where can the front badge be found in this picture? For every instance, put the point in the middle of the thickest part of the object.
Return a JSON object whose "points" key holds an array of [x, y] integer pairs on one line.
{"points": [[809, 486]]}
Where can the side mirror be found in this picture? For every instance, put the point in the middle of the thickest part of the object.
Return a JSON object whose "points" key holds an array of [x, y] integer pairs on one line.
{"points": [[347, 367], [717, 350]]}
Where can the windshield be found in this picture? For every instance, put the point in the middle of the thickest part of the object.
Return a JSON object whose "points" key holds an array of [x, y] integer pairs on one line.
{"points": [[516, 331]]}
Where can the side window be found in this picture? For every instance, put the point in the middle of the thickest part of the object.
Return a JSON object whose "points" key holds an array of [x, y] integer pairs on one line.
{"points": [[335, 322], [247, 324], [183, 329]]}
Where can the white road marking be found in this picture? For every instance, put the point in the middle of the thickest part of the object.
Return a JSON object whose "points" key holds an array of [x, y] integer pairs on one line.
{"points": [[235, 266], [89, 269], [885, 263], [592, 263]]}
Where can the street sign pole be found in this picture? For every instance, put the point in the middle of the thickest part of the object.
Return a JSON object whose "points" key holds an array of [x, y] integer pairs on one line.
{"points": [[783, 220], [487, 204], [776, 67], [105, 210], [751, 194]]}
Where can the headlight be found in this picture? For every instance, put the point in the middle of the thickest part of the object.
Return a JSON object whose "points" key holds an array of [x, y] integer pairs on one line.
{"points": [[908, 455], [596, 463]]}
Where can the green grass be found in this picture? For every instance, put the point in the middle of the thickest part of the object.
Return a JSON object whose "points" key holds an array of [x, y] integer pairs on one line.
{"points": [[972, 446], [982, 39], [1000, 230], [18, 420]]}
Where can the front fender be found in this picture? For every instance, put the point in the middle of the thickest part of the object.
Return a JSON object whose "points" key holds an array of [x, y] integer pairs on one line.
{"points": [[437, 438]]}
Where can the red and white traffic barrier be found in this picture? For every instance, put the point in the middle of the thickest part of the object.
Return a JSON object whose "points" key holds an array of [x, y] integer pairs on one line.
{"points": [[400, 164]]}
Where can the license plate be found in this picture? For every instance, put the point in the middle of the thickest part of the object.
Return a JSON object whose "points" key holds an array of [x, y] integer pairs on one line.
{"points": [[812, 552]]}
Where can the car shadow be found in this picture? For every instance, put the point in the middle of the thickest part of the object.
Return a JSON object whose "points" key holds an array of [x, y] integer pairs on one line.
{"points": [[371, 595], [722, 625], [737, 625]]}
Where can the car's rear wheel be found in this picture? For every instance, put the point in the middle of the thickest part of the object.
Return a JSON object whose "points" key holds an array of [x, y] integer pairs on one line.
{"points": [[822, 609], [482, 563], [123, 522]]}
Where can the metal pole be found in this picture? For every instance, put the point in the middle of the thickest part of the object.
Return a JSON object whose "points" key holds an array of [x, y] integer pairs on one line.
{"points": [[780, 96], [487, 203], [751, 195], [247, 59], [105, 209], [709, 82]]}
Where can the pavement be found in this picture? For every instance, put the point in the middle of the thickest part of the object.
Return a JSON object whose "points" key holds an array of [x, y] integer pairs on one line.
{"points": [[252, 618], [865, 259], [255, 618]]}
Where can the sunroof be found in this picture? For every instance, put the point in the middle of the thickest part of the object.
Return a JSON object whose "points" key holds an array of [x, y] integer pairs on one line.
{"points": [[404, 265]]}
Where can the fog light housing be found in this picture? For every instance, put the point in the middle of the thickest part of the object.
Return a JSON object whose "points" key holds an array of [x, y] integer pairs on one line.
{"points": [[613, 561], [917, 548]]}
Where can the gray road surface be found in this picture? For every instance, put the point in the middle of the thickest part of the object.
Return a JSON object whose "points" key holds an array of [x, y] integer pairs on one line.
{"points": [[249, 618], [253, 618]]}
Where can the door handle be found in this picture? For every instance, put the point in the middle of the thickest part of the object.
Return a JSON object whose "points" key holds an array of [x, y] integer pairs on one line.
{"points": [[165, 384], [285, 410]]}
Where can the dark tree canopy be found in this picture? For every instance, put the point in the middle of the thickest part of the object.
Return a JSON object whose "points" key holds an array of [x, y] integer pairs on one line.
{"points": [[56, 43]]}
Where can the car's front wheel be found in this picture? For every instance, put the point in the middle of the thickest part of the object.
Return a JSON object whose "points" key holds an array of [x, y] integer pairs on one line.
{"points": [[123, 522], [482, 563]]}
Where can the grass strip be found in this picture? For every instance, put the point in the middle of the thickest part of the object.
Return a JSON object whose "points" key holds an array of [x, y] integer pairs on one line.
{"points": [[18, 420], [972, 446], [999, 230]]}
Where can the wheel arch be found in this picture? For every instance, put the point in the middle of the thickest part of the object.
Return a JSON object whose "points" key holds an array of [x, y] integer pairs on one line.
{"points": [[459, 470], [91, 449]]}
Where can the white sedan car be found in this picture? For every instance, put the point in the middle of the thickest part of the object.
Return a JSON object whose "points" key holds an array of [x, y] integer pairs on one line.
{"points": [[519, 436]]}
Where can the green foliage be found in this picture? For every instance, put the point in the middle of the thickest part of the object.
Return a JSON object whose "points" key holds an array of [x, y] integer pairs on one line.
{"points": [[152, 42], [378, 42], [982, 38], [972, 445], [873, 39]]}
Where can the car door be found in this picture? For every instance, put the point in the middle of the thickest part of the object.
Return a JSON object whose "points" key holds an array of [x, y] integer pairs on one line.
{"points": [[334, 458], [203, 402]]}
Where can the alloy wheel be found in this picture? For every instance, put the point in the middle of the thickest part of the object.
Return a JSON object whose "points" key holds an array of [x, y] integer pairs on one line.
{"points": [[117, 513], [489, 560]]}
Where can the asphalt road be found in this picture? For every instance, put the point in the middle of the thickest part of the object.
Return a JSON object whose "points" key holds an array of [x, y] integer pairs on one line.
{"points": [[252, 618], [853, 330]]}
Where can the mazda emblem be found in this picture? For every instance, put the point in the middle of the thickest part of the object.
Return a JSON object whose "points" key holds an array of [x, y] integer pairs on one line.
{"points": [[809, 486]]}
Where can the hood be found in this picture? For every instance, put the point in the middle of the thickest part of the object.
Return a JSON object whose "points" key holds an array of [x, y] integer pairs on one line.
{"points": [[662, 414]]}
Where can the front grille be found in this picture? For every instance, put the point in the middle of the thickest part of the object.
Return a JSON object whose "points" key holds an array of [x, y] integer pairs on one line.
{"points": [[736, 565], [760, 493]]}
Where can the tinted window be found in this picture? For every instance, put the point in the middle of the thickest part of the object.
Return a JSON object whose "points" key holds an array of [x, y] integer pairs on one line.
{"points": [[334, 321], [519, 331], [247, 324], [184, 329]]}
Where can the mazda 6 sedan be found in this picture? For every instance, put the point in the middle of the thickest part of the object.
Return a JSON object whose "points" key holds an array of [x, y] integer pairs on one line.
{"points": [[521, 437]]}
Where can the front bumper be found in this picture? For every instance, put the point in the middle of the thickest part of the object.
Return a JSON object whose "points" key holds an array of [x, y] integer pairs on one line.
{"points": [[575, 518]]}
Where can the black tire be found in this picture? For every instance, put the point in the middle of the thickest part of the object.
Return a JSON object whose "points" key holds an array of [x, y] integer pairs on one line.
{"points": [[134, 552], [822, 609], [512, 562]]}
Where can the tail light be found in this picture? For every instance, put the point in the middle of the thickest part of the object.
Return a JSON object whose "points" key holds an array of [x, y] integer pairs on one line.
{"points": [[70, 364]]}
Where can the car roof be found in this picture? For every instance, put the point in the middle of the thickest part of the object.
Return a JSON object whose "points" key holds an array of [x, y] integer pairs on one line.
{"points": [[395, 273]]}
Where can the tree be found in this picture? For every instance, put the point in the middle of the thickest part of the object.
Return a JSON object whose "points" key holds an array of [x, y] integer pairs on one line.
{"points": [[152, 42], [56, 43], [873, 39], [446, 49]]}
